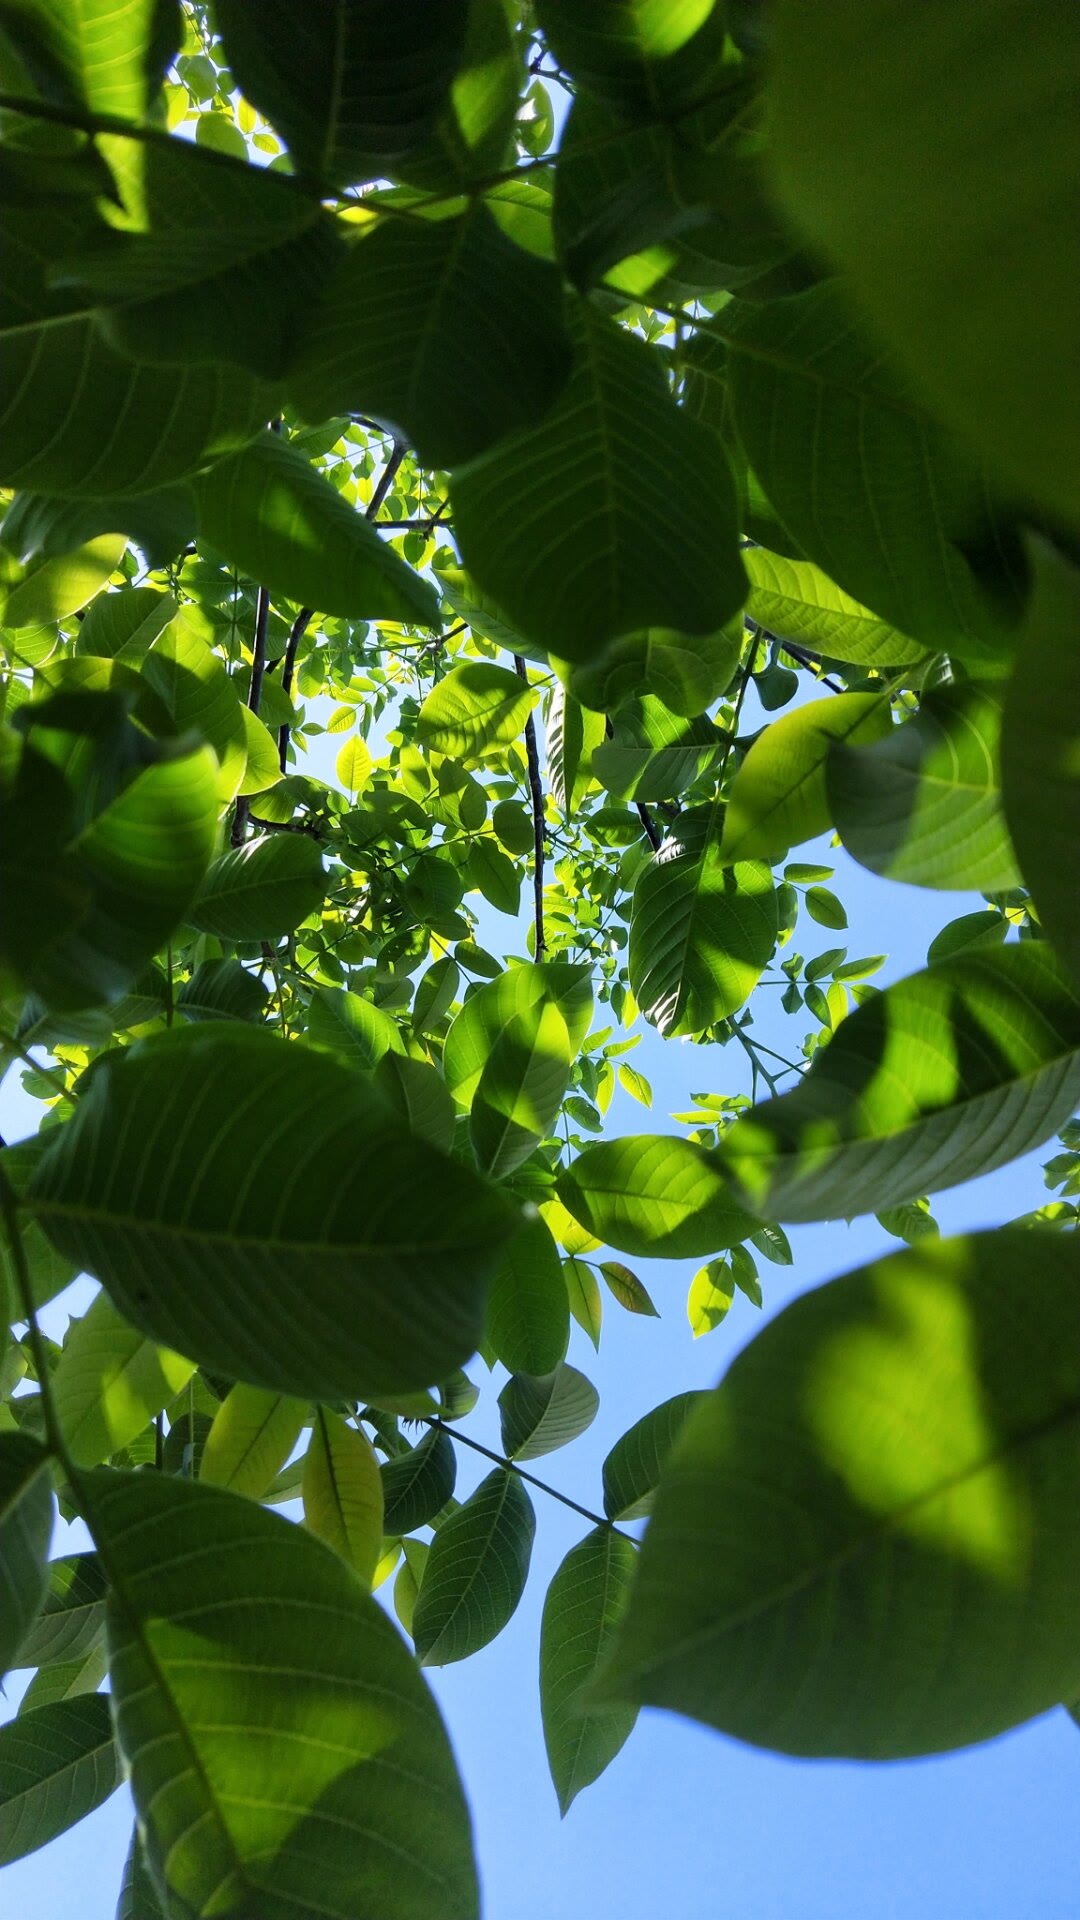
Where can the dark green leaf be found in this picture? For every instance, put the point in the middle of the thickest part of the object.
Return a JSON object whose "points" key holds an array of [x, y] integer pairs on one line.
{"points": [[639, 55], [778, 796], [72, 1620], [970, 930], [352, 1028], [26, 1514], [365, 1275], [652, 754], [582, 1610], [537, 1415], [418, 1484], [701, 930], [825, 908], [96, 54], [56, 1765], [920, 1417], [261, 890], [222, 990], [476, 1571], [528, 1317], [633, 1467], [629, 1291], [139, 1899]]}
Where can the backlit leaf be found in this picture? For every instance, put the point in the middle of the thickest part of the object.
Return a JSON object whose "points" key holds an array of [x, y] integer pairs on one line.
{"points": [[582, 1609], [475, 1572], [539, 1414], [343, 1494], [56, 1765]]}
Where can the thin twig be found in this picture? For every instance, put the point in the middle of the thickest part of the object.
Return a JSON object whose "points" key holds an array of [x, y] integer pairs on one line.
{"points": [[258, 668], [511, 1466], [288, 667], [656, 838], [536, 792], [51, 1073]]}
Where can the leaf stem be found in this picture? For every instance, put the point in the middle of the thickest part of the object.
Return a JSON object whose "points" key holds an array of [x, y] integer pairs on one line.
{"points": [[511, 1466], [9, 1041], [536, 793]]}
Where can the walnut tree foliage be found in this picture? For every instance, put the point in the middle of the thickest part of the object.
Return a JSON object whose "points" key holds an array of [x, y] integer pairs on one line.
{"points": [[353, 418]]}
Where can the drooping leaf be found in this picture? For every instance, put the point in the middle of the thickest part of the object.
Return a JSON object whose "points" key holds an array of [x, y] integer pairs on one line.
{"points": [[923, 804], [794, 599], [68, 1680], [477, 706], [708, 1302], [572, 736], [268, 510], [26, 1513], [943, 1076], [686, 671], [645, 536], [365, 1275], [1040, 763], [262, 889], [110, 1382], [252, 1435], [583, 1296], [417, 1485], [629, 1291], [443, 330], [539, 1414], [920, 1417], [417, 1093], [198, 694], [857, 92], [475, 1572], [343, 1494], [701, 930], [72, 1619], [359, 1807], [654, 1194], [56, 1765], [633, 1467], [528, 1317], [582, 1609], [778, 797]]}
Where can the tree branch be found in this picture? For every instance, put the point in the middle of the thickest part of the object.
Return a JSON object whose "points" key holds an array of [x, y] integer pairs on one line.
{"points": [[511, 1466], [537, 794], [656, 838], [258, 668]]}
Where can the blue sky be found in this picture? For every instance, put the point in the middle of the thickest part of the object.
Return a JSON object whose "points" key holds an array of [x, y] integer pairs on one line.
{"points": [[686, 1821]]}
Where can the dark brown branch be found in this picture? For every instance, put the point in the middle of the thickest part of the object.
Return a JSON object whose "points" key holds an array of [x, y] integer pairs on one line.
{"points": [[536, 792], [656, 838], [511, 1466], [258, 668]]}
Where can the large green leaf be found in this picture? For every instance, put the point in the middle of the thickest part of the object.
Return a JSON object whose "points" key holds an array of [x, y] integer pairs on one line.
{"points": [[701, 930], [687, 671], [189, 677], [268, 510], [475, 707], [654, 1194], [1040, 754], [794, 599], [110, 1382], [251, 1437], [655, 58], [943, 1076], [444, 330], [652, 753], [57, 1764], [874, 491], [51, 587], [616, 512], [139, 1898], [521, 1087], [222, 990], [72, 1620], [582, 1610], [351, 89], [900, 1571], [924, 804], [571, 736], [633, 1468], [489, 1011], [537, 1415], [318, 1250], [778, 796], [476, 1571], [944, 254], [160, 524], [285, 1757], [105, 55], [26, 1515], [528, 1315], [68, 1680], [353, 1028], [343, 1494], [262, 889], [417, 1485]]}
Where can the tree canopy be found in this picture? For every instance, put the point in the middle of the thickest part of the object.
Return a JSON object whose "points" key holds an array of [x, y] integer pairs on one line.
{"points": [[482, 485]]}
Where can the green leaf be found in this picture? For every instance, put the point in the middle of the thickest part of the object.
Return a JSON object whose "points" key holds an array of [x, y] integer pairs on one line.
{"points": [[124, 625], [138, 1895], [72, 1620], [537, 1415], [354, 764], [68, 1680], [354, 1029], [513, 827], [708, 1302], [198, 694], [51, 588], [96, 54], [825, 908], [476, 1571], [417, 1094], [475, 708], [252, 1435], [528, 1317], [1040, 765], [920, 1416], [582, 1610], [56, 1765], [655, 59], [970, 930], [686, 671], [635, 1084], [877, 494], [924, 804], [222, 990], [857, 92], [351, 91], [701, 930], [628, 1290], [652, 754], [159, 523], [364, 1275], [495, 876], [572, 737], [407, 1584], [646, 534], [269, 512], [110, 1382], [654, 1194], [778, 796], [343, 1494], [417, 1485], [26, 1516], [261, 890], [521, 1087], [521, 991], [443, 330], [359, 1806], [943, 1076], [794, 599], [472, 136], [773, 1242], [633, 1468], [584, 1298]]}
